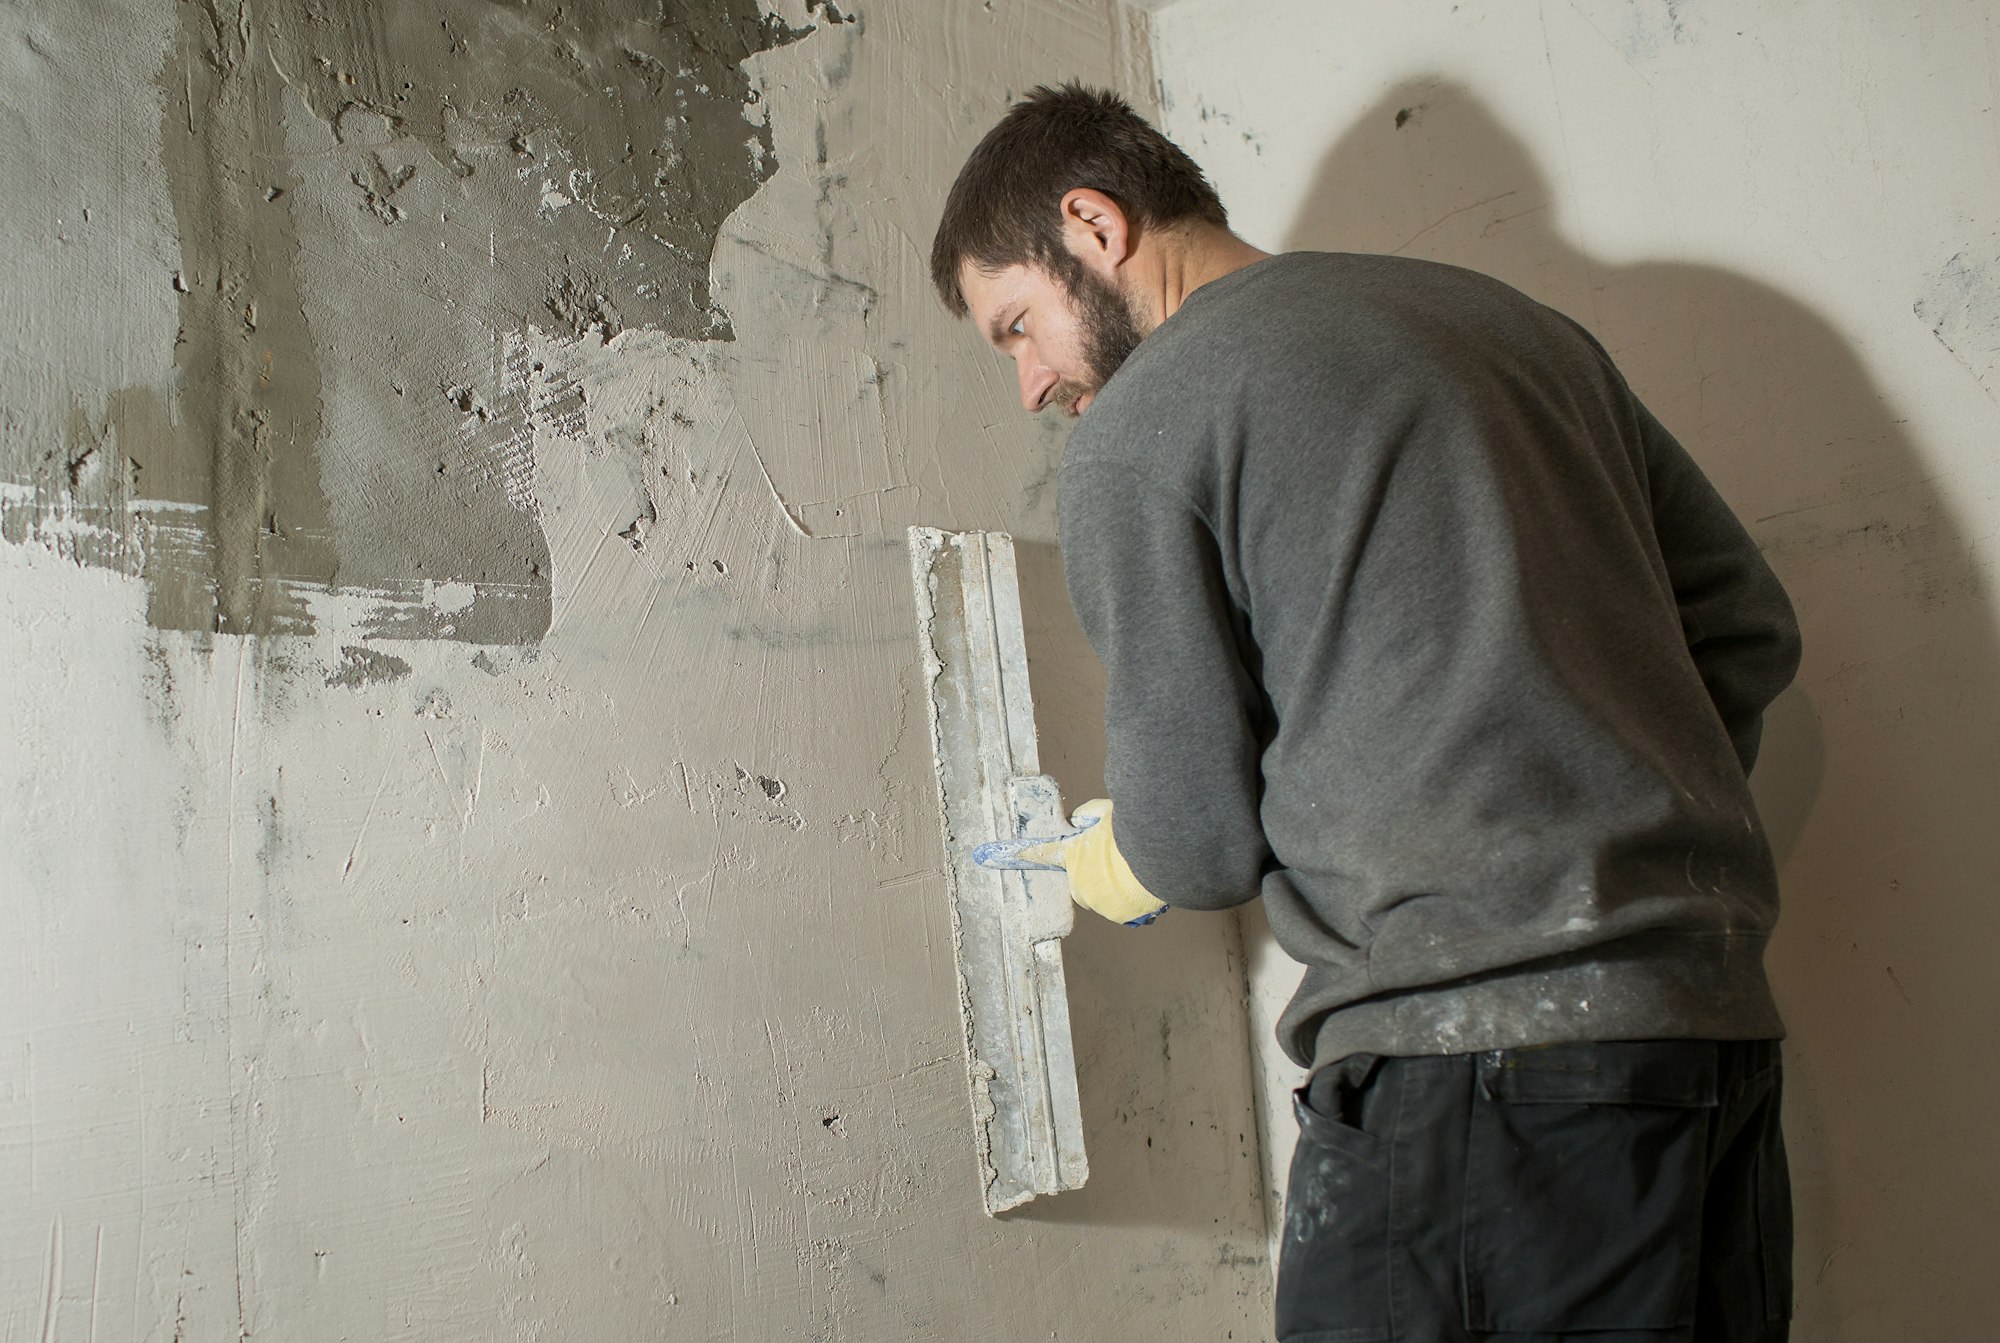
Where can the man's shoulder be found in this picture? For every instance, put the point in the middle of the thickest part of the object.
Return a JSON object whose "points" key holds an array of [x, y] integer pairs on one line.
{"points": [[1194, 369], [1315, 308], [1287, 275], [1307, 339], [1300, 303]]}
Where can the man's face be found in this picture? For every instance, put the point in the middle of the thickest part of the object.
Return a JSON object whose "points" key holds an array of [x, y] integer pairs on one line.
{"points": [[1066, 334]]}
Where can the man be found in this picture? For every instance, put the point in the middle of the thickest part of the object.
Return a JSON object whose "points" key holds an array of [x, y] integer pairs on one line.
{"points": [[1419, 626]]}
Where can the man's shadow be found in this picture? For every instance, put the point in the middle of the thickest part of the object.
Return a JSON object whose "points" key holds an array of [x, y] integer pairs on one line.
{"points": [[1871, 949]]}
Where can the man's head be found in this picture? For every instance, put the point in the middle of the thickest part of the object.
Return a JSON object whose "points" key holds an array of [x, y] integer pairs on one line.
{"points": [[1042, 219]]}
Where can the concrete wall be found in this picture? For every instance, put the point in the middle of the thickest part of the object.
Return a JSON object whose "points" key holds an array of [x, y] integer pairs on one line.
{"points": [[1781, 220], [468, 856]]}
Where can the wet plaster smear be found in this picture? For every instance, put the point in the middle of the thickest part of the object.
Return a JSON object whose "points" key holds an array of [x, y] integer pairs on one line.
{"points": [[467, 839]]}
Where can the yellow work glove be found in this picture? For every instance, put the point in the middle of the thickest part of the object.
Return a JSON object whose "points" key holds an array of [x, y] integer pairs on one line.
{"points": [[1099, 878]]}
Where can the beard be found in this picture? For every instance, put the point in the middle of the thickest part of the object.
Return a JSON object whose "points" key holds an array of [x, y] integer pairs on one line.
{"points": [[1105, 320]]}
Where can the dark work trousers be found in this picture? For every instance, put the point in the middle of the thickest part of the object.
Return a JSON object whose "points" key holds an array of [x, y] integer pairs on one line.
{"points": [[1578, 1193]]}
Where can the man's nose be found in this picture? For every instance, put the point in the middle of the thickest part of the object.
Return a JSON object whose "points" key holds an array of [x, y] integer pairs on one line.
{"points": [[1037, 381]]}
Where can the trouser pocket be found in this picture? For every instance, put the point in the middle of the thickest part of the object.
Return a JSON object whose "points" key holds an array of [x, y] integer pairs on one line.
{"points": [[1585, 1171], [1333, 1266]]}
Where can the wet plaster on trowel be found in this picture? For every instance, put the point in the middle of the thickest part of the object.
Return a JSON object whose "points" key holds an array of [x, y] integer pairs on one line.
{"points": [[980, 1075]]}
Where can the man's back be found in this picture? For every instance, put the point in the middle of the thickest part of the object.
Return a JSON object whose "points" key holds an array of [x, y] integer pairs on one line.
{"points": [[1420, 626]]}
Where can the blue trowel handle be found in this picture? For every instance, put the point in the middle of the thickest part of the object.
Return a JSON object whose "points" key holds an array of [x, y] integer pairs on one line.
{"points": [[1004, 855]]}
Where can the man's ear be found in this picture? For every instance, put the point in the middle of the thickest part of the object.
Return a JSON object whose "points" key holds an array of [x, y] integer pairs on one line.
{"points": [[1096, 230]]}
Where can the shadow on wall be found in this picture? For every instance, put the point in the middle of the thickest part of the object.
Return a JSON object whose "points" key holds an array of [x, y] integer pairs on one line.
{"points": [[1157, 1013], [1787, 422]]}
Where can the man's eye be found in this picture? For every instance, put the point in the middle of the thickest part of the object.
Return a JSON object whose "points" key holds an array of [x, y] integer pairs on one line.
{"points": [[1018, 329]]}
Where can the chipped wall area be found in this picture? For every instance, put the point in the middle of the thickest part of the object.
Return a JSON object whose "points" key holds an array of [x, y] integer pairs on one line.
{"points": [[1780, 220], [469, 856]]}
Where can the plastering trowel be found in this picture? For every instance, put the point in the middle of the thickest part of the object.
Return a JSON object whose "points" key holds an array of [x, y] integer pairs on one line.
{"points": [[1007, 925]]}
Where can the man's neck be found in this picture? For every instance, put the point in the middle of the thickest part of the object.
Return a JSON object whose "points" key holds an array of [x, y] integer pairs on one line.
{"points": [[1187, 260]]}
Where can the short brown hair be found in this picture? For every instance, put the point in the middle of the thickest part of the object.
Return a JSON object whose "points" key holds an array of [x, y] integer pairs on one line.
{"points": [[1005, 207]]}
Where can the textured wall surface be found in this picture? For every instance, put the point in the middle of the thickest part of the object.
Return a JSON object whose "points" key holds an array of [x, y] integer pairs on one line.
{"points": [[1781, 220], [469, 866]]}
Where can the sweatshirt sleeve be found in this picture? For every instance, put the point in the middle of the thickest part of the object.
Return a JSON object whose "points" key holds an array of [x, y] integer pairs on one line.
{"points": [[1181, 711], [1739, 624]]}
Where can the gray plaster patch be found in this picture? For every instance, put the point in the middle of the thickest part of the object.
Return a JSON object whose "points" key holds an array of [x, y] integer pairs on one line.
{"points": [[628, 128], [371, 202], [87, 268], [1960, 303], [365, 666], [241, 440], [475, 168]]}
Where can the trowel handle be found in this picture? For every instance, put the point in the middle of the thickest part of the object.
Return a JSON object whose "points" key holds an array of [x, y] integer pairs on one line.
{"points": [[1004, 855]]}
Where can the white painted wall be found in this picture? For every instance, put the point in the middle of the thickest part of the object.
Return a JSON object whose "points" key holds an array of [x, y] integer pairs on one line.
{"points": [[1781, 218], [599, 989]]}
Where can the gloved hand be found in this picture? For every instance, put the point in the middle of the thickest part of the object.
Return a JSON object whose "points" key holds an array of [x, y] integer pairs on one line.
{"points": [[1099, 878]]}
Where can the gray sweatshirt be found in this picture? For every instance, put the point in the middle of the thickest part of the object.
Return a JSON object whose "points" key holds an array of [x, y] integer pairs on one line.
{"points": [[1417, 624]]}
